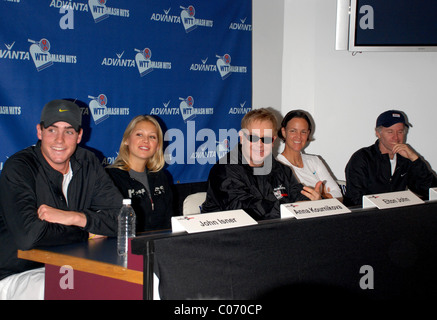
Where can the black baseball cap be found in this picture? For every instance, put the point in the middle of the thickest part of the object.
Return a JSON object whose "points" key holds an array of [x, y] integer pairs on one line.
{"points": [[391, 117], [61, 110]]}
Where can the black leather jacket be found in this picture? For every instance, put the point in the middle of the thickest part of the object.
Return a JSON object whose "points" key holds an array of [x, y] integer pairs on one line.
{"points": [[369, 172], [235, 186]]}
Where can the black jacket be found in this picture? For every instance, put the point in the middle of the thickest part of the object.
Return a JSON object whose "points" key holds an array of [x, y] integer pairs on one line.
{"points": [[147, 218], [235, 186], [28, 181], [369, 172]]}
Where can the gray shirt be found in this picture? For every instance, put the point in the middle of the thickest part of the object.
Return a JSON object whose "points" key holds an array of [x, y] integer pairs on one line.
{"points": [[141, 177]]}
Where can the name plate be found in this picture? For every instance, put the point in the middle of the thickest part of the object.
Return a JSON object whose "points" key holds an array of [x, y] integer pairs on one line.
{"points": [[312, 209], [432, 194], [212, 221], [391, 200]]}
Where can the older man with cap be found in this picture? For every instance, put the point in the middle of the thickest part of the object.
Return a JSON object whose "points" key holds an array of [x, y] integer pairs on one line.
{"points": [[52, 193], [389, 165]]}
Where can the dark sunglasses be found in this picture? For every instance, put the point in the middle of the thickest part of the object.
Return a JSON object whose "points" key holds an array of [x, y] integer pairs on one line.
{"points": [[254, 138]]}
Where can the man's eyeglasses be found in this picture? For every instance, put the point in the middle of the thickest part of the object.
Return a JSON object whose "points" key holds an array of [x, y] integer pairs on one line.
{"points": [[254, 138]]}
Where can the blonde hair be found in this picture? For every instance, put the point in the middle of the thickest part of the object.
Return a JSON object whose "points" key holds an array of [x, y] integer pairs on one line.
{"points": [[155, 163], [261, 114]]}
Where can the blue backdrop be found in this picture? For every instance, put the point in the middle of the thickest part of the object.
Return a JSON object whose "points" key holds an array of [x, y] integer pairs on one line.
{"points": [[189, 63]]}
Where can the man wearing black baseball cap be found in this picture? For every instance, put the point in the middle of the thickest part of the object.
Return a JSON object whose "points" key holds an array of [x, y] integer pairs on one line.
{"points": [[52, 193], [389, 165], [61, 110], [60, 132]]}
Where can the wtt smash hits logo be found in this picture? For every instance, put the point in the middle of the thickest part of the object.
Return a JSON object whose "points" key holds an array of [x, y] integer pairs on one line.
{"points": [[143, 61], [98, 8], [145, 65], [42, 58], [100, 111], [10, 110], [225, 69], [185, 109], [222, 65], [100, 11], [186, 18]]}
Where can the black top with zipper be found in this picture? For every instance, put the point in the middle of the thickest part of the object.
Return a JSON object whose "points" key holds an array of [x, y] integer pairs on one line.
{"points": [[153, 210], [233, 184], [369, 172]]}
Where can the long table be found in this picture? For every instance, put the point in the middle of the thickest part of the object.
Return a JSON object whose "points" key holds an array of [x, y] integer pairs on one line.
{"points": [[371, 254]]}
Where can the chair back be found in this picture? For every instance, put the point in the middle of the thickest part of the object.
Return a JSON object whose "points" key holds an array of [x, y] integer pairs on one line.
{"points": [[193, 203]]}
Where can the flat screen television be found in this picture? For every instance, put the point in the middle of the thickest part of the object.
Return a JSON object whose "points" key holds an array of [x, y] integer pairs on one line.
{"points": [[386, 25]]}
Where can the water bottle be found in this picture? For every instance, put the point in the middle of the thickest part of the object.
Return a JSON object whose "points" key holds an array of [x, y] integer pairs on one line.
{"points": [[126, 227]]}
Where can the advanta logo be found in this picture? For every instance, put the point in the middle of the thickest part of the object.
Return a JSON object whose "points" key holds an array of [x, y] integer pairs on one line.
{"points": [[240, 26], [242, 109], [13, 54], [69, 5], [166, 110], [203, 66], [165, 17], [119, 61]]}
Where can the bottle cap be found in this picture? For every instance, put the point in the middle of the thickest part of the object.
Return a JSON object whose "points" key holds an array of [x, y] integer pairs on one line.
{"points": [[126, 201]]}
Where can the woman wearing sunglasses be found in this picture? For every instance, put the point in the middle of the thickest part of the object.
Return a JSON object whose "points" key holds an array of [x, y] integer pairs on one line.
{"points": [[295, 131]]}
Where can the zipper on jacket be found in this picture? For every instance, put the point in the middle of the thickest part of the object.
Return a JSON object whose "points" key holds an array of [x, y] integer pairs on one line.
{"points": [[151, 200]]}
